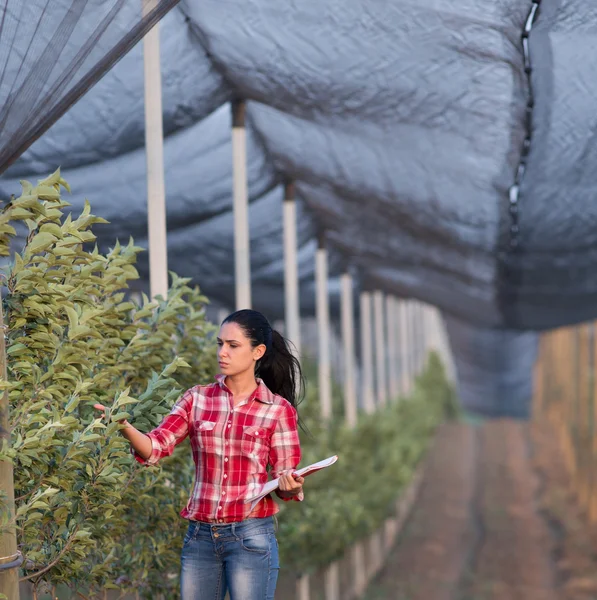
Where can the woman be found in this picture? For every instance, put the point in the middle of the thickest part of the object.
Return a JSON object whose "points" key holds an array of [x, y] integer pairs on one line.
{"points": [[238, 426]]}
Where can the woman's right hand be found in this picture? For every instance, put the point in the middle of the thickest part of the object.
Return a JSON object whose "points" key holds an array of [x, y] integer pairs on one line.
{"points": [[139, 441], [103, 409]]}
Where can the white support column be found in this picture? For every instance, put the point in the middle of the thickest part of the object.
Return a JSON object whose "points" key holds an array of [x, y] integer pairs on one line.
{"points": [[359, 570], [291, 279], [222, 314], [302, 588], [154, 149], [416, 337], [392, 362], [390, 531], [367, 352], [242, 256], [375, 554], [332, 582], [427, 331], [423, 316], [422, 340], [435, 333], [381, 349], [412, 345], [423, 333], [404, 349], [323, 329], [347, 310], [399, 343]]}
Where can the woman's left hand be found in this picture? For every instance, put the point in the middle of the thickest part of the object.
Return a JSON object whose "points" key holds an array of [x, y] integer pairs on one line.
{"points": [[291, 484]]}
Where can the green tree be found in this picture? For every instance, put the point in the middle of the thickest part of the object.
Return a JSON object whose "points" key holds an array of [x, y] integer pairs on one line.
{"points": [[87, 514]]}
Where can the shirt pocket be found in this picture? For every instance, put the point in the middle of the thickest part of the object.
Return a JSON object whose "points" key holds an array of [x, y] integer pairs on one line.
{"points": [[205, 435], [255, 441]]}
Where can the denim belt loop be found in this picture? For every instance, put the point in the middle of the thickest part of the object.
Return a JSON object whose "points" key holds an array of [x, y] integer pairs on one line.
{"points": [[233, 529]]}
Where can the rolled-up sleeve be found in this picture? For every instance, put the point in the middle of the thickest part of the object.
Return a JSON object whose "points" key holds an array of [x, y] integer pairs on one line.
{"points": [[173, 429], [285, 447]]}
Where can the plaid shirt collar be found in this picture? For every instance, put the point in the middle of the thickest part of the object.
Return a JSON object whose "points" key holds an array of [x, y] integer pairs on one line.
{"points": [[262, 393]]}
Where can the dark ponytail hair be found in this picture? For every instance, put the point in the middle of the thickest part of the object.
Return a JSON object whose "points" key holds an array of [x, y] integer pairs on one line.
{"points": [[278, 368]]}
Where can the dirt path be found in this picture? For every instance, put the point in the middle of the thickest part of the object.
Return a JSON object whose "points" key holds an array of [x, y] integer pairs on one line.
{"points": [[477, 532], [433, 551]]}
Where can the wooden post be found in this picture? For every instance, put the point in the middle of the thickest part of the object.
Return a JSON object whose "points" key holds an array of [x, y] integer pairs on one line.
{"points": [[154, 149], [575, 404], [242, 260], [9, 578], [582, 423], [347, 309], [291, 280], [323, 329], [593, 451]]}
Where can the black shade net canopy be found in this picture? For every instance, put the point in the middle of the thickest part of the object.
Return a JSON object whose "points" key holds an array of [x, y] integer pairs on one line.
{"points": [[53, 51], [446, 149]]}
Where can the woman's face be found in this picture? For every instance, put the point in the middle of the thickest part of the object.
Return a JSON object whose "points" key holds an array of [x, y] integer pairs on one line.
{"points": [[235, 353]]}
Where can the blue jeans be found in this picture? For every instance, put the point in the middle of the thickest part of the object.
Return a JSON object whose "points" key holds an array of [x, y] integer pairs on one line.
{"points": [[239, 557]]}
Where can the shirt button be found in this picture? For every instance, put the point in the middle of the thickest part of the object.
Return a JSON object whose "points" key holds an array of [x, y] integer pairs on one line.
{"points": [[226, 442], [229, 425], [219, 508], [225, 476], [226, 459], [220, 521], [223, 493]]}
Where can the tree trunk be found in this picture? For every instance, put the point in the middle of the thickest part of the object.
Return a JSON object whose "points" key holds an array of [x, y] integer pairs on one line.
{"points": [[9, 578]]}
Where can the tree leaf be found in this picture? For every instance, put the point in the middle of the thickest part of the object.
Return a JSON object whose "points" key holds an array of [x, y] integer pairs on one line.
{"points": [[41, 242]]}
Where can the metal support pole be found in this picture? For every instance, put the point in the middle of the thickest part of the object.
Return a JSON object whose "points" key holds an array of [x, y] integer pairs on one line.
{"points": [[242, 260], [154, 149], [392, 362], [347, 309], [381, 349], [323, 328], [9, 578], [291, 280], [367, 352]]}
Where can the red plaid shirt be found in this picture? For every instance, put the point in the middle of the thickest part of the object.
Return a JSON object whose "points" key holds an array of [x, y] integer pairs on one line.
{"points": [[232, 447]]}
